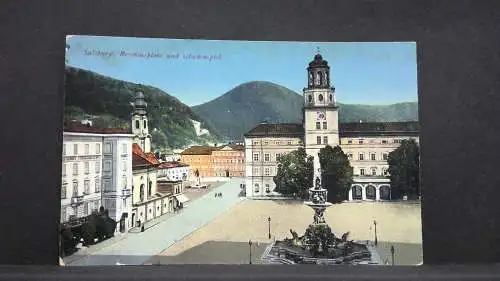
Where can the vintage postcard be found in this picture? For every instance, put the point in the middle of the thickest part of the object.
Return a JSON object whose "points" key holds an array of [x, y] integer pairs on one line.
{"points": [[237, 152]]}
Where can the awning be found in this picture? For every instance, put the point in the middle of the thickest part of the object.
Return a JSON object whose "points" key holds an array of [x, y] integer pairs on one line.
{"points": [[182, 198]]}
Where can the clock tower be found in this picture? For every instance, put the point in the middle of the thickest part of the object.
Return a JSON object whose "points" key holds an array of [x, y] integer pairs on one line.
{"points": [[140, 123], [320, 114]]}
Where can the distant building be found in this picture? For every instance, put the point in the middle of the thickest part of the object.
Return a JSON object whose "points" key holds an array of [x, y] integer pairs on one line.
{"points": [[88, 177], [173, 171], [199, 158], [366, 144], [176, 189], [229, 161]]}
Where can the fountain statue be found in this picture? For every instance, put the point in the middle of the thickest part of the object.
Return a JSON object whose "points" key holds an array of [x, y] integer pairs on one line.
{"points": [[319, 245]]}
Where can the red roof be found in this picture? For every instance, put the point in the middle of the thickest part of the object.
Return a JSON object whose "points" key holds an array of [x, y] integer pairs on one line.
{"points": [[141, 159], [172, 164], [77, 127]]}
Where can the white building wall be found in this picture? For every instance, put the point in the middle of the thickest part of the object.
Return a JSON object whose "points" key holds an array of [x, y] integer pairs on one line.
{"points": [[81, 175]]}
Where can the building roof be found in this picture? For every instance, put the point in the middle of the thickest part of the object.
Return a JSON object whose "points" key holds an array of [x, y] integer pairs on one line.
{"points": [[199, 150], [237, 147], [171, 164], [361, 129], [276, 130], [140, 159], [77, 127]]}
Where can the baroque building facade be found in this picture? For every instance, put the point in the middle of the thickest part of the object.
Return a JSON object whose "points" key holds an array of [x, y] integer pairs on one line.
{"points": [[366, 144]]}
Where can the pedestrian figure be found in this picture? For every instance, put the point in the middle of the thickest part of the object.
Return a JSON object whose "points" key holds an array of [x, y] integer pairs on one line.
{"points": [[215, 195]]}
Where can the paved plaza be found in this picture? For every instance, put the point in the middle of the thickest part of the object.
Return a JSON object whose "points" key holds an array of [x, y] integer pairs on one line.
{"points": [[398, 224], [138, 248]]}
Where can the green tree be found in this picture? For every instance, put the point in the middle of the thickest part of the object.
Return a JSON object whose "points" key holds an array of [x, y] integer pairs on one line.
{"points": [[295, 174], [336, 173], [404, 170]]}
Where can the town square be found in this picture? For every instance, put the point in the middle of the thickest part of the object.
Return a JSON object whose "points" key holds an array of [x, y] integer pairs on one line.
{"points": [[147, 179]]}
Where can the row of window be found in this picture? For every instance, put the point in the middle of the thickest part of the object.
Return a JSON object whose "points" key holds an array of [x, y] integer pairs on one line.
{"points": [[290, 142], [373, 172], [227, 161], [325, 140], [138, 124], [373, 156], [97, 167], [268, 171], [257, 188], [97, 148], [80, 211], [267, 157], [320, 98], [86, 188], [374, 141], [318, 126]]}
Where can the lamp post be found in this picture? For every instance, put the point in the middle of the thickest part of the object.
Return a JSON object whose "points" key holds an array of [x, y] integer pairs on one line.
{"points": [[392, 254], [250, 251], [269, 226], [375, 224]]}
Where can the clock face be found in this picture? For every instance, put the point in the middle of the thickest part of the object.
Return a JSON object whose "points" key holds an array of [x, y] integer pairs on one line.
{"points": [[321, 115]]}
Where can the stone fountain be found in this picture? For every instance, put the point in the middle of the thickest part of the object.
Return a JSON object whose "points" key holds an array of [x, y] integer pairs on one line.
{"points": [[319, 245]]}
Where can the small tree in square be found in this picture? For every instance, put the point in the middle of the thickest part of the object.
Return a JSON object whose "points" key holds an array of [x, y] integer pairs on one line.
{"points": [[295, 174], [336, 173], [404, 170]]}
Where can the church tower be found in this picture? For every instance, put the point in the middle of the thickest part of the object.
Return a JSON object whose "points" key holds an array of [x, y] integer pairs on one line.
{"points": [[321, 118], [140, 123]]}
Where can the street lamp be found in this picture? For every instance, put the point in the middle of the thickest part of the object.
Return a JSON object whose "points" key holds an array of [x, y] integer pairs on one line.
{"points": [[375, 224], [250, 250], [392, 253], [269, 225]]}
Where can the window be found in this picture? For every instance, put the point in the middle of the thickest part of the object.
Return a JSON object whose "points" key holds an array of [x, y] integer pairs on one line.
{"points": [[385, 172], [63, 170], [86, 186], [141, 194], [150, 189], [255, 142], [75, 149], [385, 156], [361, 156], [97, 185], [145, 123], [349, 141], [325, 140], [98, 148], [324, 126], [384, 141], [277, 143], [97, 166], [349, 156], [86, 167], [256, 171], [124, 166], [256, 188], [107, 186], [373, 157], [64, 190], [267, 157], [309, 98], [268, 190], [361, 141], [64, 149], [290, 142], [318, 125], [265, 143], [318, 140], [124, 148], [267, 171], [87, 149], [107, 166], [137, 124], [320, 97], [75, 169], [331, 97], [75, 188], [255, 157], [362, 171], [374, 171], [124, 182], [86, 208], [278, 156], [107, 148]]}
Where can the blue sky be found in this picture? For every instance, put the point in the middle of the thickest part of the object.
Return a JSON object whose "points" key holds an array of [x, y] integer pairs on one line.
{"points": [[362, 73]]}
